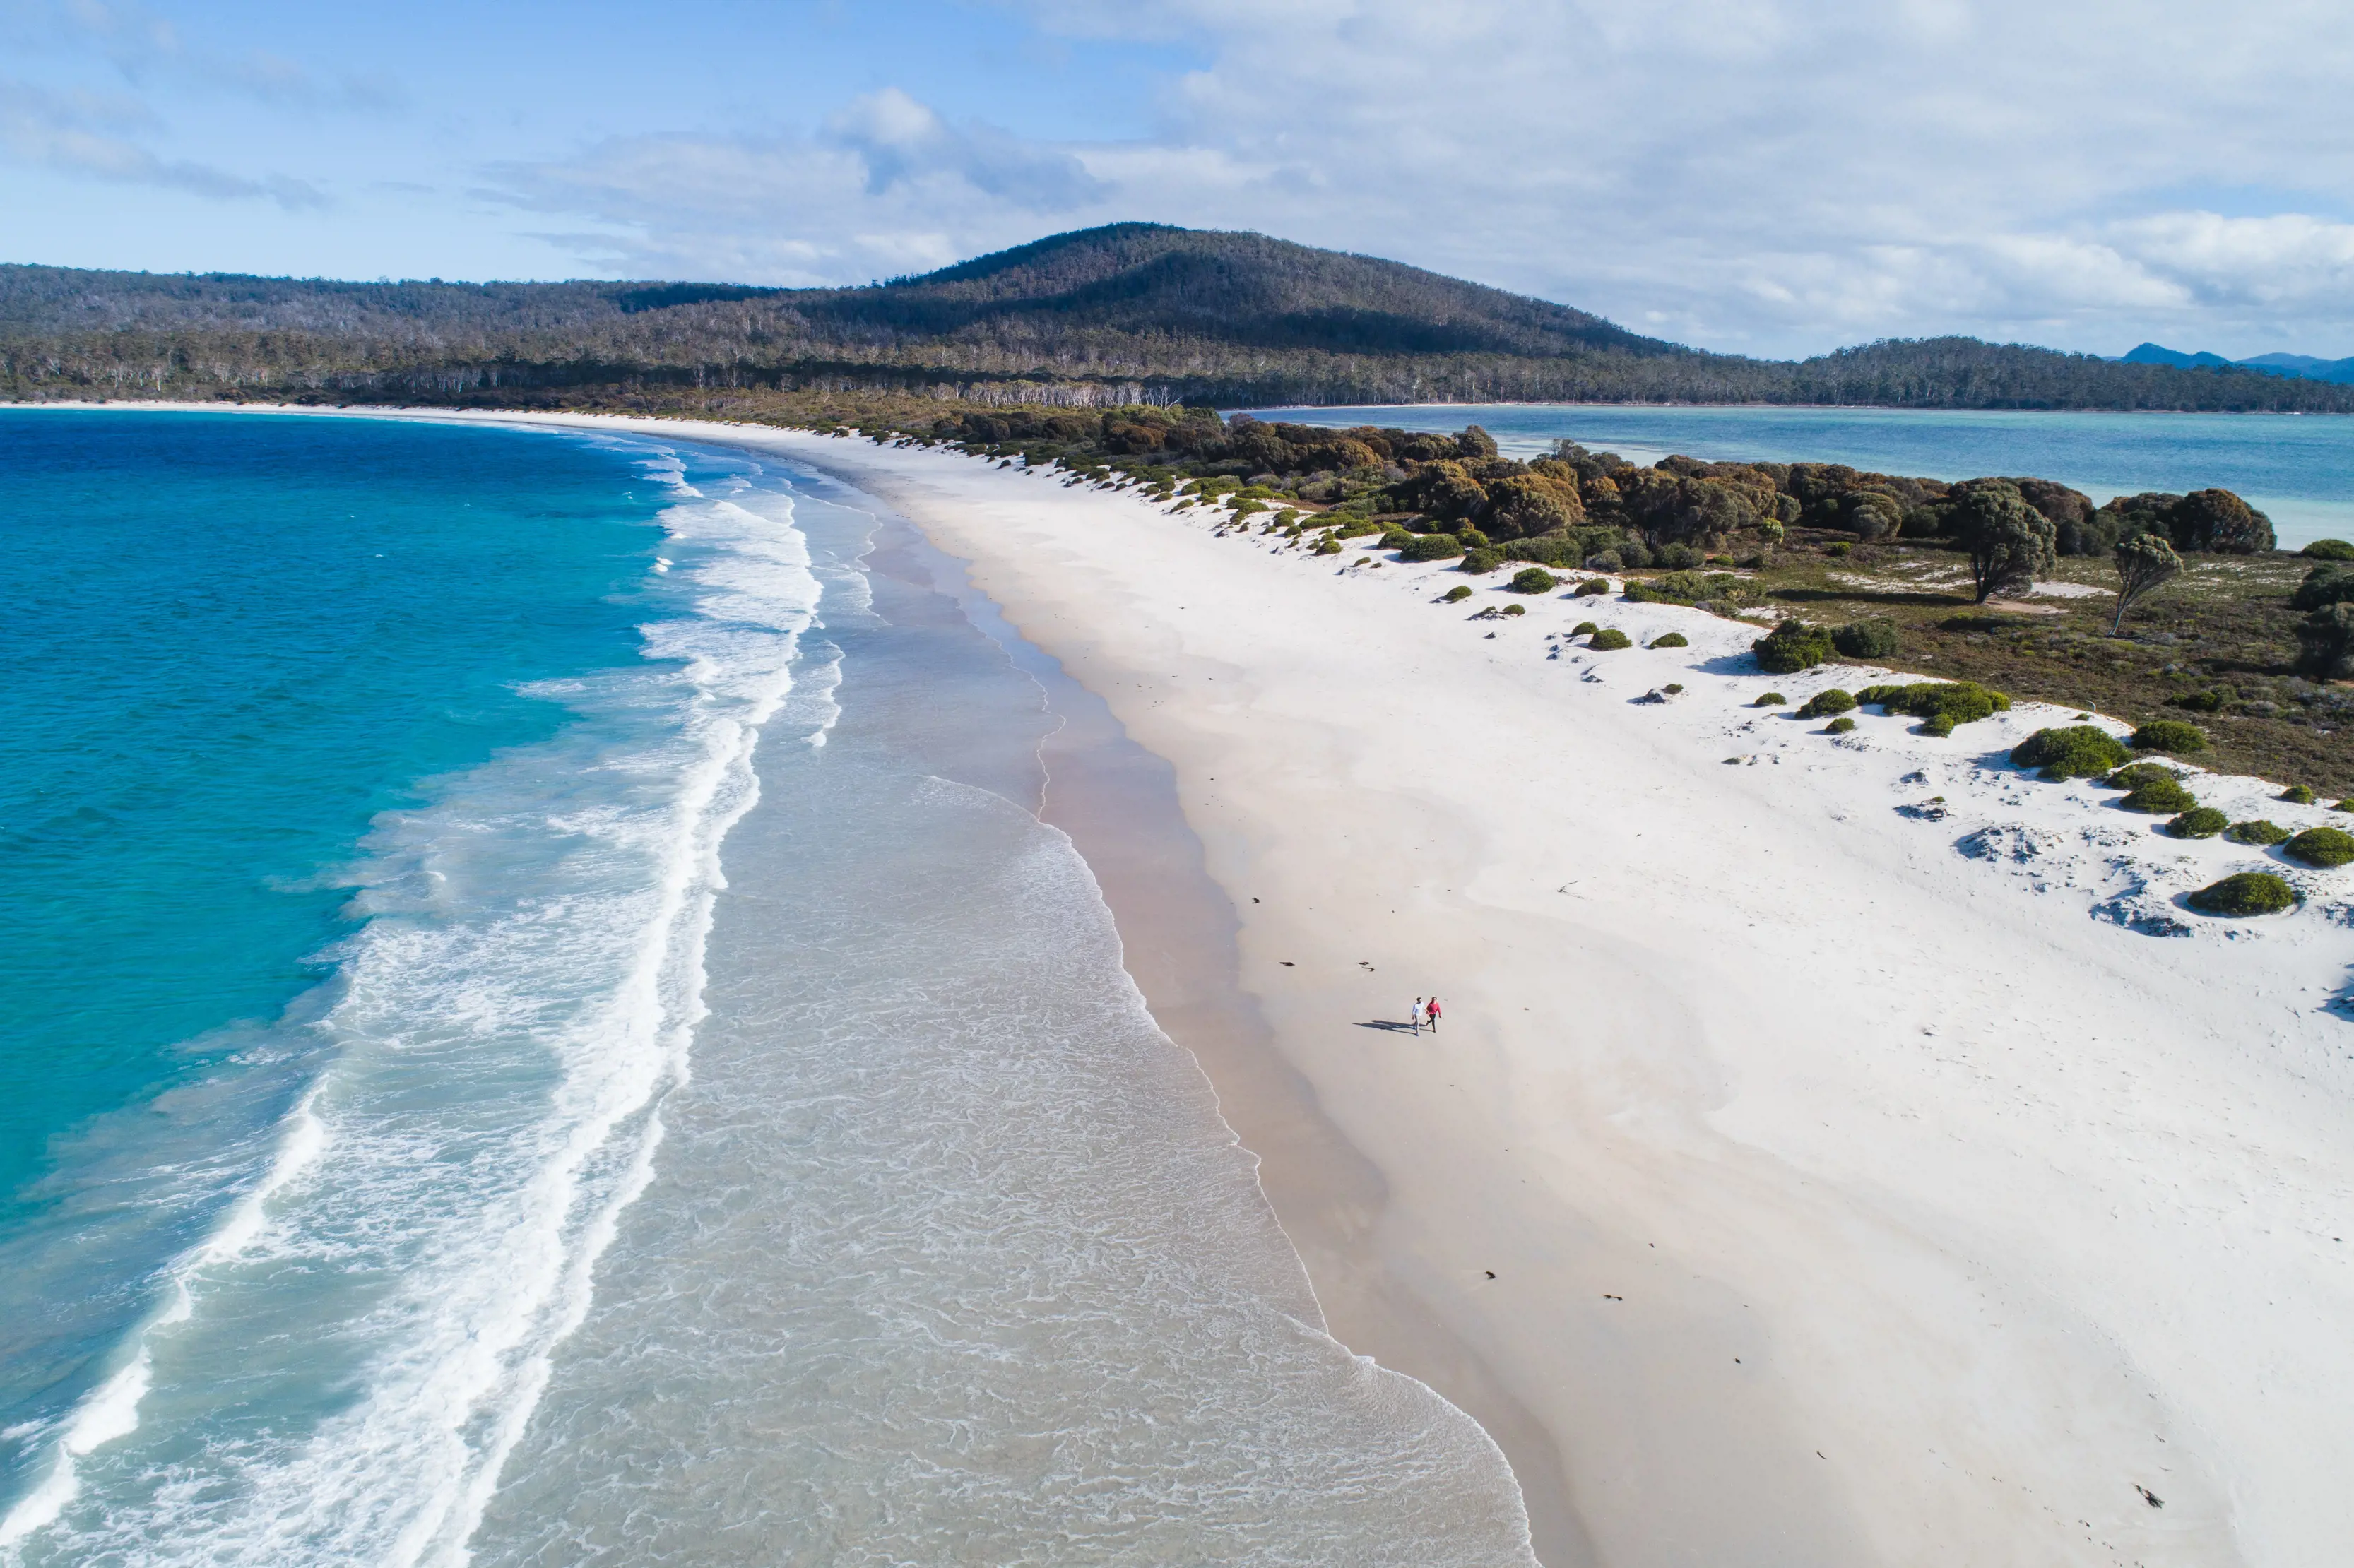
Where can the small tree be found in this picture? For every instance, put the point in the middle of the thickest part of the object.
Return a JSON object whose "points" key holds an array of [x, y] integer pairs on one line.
{"points": [[2146, 562], [2010, 544], [2325, 643]]}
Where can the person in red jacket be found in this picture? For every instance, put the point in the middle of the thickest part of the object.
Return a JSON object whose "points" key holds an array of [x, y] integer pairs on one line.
{"points": [[1432, 1013]]}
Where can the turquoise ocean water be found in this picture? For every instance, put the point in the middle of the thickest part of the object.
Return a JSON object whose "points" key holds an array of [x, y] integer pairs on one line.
{"points": [[541, 1026], [2299, 469]]}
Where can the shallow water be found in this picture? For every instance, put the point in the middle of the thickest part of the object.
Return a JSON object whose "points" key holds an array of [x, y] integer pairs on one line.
{"points": [[2299, 469], [724, 1132]]}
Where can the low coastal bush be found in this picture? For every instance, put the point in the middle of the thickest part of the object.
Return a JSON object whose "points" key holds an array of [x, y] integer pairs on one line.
{"points": [[2325, 847], [1684, 587], [2259, 831], [1671, 640], [1839, 727], [1516, 610], [1593, 586], [1770, 700], [1330, 545], [2157, 797], [1873, 640], [1673, 688], [1823, 705], [1457, 594], [1583, 628], [2173, 737], [2329, 550], [2079, 751], [1941, 705], [2140, 774], [2242, 893], [1430, 547], [1610, 640], [1791, 647], [2198, 822], [2297, 795], [1605, 561], [1534, 580], [1483, 559]]}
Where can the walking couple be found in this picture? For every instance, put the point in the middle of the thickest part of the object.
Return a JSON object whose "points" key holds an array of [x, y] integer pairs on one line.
{"points": [[1425, 1011]]}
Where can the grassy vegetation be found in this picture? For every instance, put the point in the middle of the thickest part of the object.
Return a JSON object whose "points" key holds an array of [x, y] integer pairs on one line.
{"points": [[2219, 642]]}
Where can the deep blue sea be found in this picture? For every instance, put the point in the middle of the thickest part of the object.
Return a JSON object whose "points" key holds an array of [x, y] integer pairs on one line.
{"points": [[2299, 469], [543, 1026]]}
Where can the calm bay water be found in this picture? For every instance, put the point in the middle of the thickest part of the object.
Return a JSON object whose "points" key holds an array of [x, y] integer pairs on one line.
{"points": [[2299, 469], [547, 1030]]}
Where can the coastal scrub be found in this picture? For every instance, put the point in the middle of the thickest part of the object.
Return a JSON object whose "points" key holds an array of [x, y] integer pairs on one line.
{"points": [[2243, 894]]}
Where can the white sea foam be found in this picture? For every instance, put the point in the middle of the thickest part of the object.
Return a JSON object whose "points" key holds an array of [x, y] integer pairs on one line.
{"points": [[508, 1020]]}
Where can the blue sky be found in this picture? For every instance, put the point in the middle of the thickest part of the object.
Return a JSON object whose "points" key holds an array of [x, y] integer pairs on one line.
{"points": [[1765, 177]]}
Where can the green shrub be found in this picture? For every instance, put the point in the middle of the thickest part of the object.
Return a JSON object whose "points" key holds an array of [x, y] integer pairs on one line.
{"points": [[2171, 736], [1593, 586], [1823, 705], [1430, 547], [1583, 628], [2329, 550], [2325, 847], [2157, 797], [1673, 688], [1330, 545], [2079, 751], [2244, 893], [1873, 640], [2258, 832], [1835, 551], [1516, 610], [1839, 727], [1792, 646], [1534, 580], [1610, 640], [2140, 774], [1482, 560], [1684, 587], [2345, 805], [2297, 795], [1671, 640], [1457, 594], [2200, 702], [2198, 822], [1942, 705], [1770, 700]]}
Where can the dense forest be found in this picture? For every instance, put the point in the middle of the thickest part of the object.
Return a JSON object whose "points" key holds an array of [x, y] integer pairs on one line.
{"points": [[1130, 313]]}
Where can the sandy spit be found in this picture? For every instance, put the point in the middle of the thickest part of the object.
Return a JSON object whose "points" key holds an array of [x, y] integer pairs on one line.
{"points": [[1839, 1150]]}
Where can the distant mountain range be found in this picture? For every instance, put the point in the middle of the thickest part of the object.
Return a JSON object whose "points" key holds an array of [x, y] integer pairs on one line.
{"points": [[2303, 365], [1127, 312]]}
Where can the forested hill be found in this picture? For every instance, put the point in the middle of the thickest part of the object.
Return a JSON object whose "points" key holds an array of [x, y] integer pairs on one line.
{"points": [[1123, 313]]}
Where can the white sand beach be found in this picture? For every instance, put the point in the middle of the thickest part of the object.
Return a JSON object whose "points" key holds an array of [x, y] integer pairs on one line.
{"points": [[1824, 1159]]}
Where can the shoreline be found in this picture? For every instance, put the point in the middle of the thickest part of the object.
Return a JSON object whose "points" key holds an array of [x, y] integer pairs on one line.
{"points": [[1825, 1196]]}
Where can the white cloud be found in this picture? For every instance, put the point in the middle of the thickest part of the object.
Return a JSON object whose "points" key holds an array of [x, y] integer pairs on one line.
{"points": [[1779, 176], [144, 47], [74, 134]]}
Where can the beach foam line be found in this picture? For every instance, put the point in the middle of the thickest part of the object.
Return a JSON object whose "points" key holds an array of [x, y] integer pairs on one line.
{"points": [[462, 1406]]}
